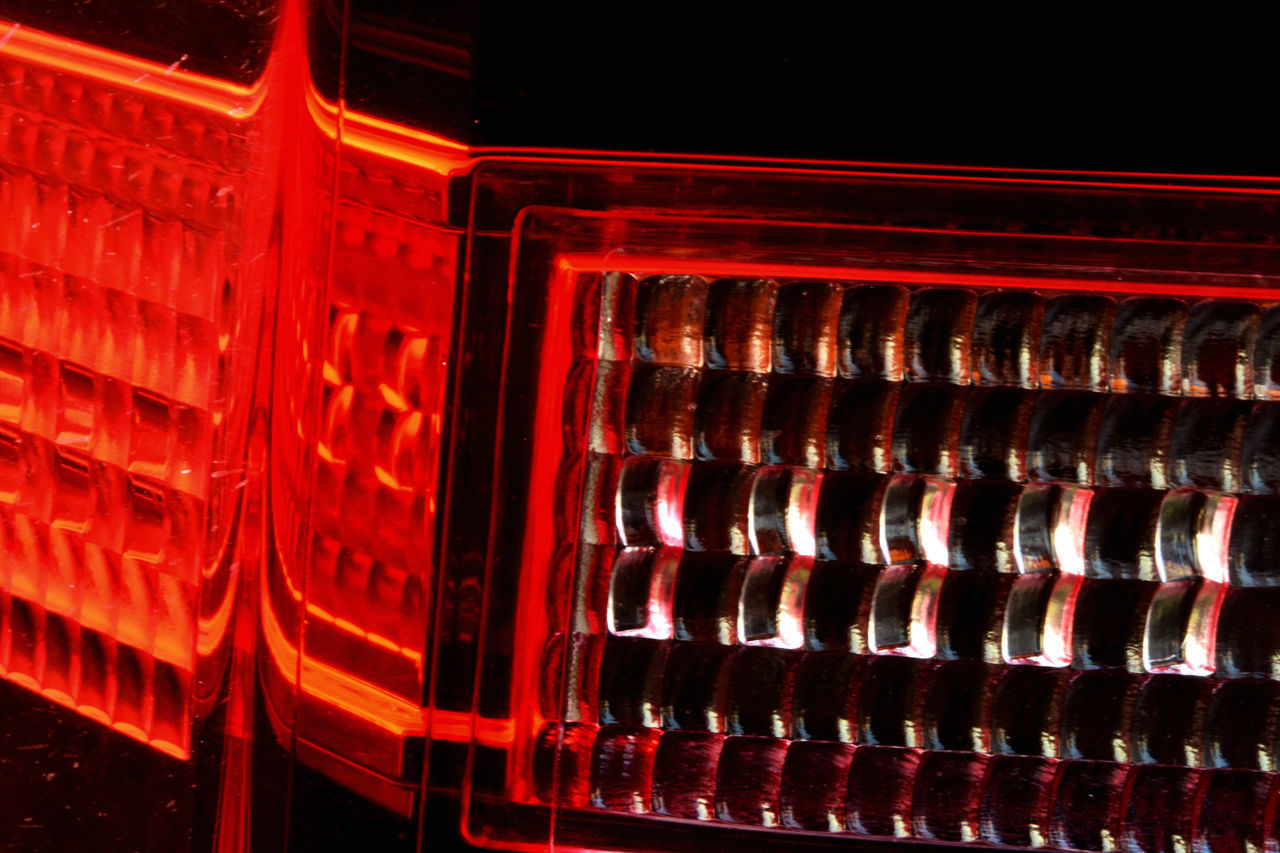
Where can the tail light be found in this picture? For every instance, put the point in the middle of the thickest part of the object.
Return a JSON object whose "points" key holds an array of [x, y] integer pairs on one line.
{"points": [[124, 293], [836, 530], [134, 266], [616, 501], [365, 328]]}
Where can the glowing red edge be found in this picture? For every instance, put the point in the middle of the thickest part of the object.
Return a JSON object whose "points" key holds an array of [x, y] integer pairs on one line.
{"points": [[437, 155], [445, 158]]}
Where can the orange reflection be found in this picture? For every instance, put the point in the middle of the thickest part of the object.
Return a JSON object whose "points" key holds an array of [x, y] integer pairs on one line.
{"points": [[402, 145], [337, 687]]}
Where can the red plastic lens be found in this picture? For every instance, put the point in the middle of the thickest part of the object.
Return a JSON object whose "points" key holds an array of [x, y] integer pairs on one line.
{"points": [[126, 307], [363, 341], [635, 501]]}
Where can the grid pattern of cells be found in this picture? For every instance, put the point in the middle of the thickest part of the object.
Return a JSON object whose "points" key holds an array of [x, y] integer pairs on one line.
{"points": [[357, 457], [940, 562], [378, 453], [120, 220]]}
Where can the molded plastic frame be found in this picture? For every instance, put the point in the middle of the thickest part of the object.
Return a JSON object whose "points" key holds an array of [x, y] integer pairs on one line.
{"points": [[1103, 234]]}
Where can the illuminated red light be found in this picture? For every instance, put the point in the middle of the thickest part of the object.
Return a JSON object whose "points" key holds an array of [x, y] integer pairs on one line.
{"points": [[801, 520], [122, 193], [363, 342]]}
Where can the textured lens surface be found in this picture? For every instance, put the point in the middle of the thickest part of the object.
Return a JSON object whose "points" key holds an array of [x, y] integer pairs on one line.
{"points": [[943, 563], [125, 315]]}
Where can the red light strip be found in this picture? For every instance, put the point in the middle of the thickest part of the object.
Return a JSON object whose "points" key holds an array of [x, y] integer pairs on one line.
{"points": [[338, 688], [211, 631], [461, 726], [935, 171], [540, 541], [587, 159], [151, 78], [386, 139], [585, 262]]}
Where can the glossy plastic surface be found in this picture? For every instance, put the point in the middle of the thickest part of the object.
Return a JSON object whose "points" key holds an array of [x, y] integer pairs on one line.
{"points": [[643, 501], [805, 490], [128, 328], [363, 337], [819, 512], [136, 265], [125, 318]]}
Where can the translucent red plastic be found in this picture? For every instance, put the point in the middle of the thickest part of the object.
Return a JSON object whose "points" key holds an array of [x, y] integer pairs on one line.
{"points": [[633, 501], [363, 348], [128, 321]]}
